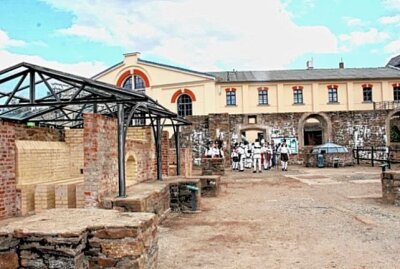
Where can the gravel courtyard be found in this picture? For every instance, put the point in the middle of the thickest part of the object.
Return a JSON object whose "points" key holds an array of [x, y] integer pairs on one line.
{"points": [[303, 218]]}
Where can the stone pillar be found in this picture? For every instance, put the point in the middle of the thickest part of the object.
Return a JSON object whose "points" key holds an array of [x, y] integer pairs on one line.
{"points": [[165, 152], [391, 187], [8, 182], [100, 158], [213, 166]]}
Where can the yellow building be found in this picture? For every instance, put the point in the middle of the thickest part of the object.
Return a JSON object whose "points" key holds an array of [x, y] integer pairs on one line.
{"points": [[312, 90]]}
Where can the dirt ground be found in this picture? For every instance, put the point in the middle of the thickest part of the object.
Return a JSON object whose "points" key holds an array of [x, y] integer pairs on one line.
{"points": [[303, 218]]}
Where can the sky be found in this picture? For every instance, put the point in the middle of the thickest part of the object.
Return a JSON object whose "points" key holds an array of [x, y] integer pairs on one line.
{"points": [[86, 36]]}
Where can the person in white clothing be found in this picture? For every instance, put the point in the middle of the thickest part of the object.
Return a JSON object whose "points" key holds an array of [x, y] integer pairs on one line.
{"points": [[248, 151], [235, 158], [242, 157], [285, 153], [256, 152]]}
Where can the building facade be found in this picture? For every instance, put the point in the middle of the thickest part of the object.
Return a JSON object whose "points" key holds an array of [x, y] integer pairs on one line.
{"points": [[350, 106]]}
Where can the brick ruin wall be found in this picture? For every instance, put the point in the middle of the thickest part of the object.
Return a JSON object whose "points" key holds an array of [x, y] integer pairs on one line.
{"points": [[140, 148], [41, 155], [8, 182], [351, 129], [74, 140], [100, 158], [186, 162], [20, 145]]}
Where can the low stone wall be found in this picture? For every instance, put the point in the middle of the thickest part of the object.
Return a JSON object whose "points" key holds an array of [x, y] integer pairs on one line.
{"points": [[185, 194], [80, 238], [391, 187], [213, 166], [152, 197]]}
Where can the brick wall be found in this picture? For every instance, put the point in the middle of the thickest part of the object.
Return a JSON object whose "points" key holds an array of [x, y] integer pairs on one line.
{"points": [[186, 161], [100, 158], [39, 161], [74, 139], [141, 148], [8, 183], [165, 152]]}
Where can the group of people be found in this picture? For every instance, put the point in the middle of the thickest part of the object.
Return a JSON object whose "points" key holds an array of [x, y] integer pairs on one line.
{"points": [[214, 150], [259, 155]]}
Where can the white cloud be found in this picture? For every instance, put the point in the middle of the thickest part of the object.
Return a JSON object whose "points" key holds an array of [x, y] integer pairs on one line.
{"points": [[372, 36], [6, 41], [393, 47], [350, 21], [390, 20], [392, 4], [258, 34], [8, 59], [86, 69]]}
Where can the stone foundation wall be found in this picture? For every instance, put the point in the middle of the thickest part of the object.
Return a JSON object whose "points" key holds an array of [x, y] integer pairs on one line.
{"points": [[9, 205], [391, 187], [80, 239], [351, 129]]}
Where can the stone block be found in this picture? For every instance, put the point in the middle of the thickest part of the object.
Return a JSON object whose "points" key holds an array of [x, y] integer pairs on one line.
{"points": [[115, 233], [9, 260], [122, 248]]}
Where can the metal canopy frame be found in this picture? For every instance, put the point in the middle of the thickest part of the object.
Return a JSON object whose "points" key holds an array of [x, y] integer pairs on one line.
{"points": [[44, 96]]}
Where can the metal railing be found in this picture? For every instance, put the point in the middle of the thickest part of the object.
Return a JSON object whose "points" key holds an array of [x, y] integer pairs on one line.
{"points": [[377, 154], [386, 105]]}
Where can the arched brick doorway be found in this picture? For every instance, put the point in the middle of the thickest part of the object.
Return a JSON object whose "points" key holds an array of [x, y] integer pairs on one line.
{"points": [[393, 128], [131, 171], [314, 129]]}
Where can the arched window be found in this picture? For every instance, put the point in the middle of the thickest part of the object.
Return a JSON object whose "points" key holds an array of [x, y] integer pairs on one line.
{"points": [[184, 105], [139, 83]]}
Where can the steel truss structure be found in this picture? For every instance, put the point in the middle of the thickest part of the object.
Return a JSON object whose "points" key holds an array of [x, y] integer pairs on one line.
{"points": [[47, 97]]}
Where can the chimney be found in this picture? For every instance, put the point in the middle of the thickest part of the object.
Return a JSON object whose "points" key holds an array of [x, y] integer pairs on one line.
{"points": [[310, 64], [341, 64]]}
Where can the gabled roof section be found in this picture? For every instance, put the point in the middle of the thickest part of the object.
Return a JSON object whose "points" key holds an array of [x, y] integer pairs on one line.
{"points": [[107, 70], [176, 68], [395, 61], [307, 75]]}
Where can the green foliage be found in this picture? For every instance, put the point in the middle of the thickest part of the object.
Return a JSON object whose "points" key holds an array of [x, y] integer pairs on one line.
{"points": [[394, 133]]}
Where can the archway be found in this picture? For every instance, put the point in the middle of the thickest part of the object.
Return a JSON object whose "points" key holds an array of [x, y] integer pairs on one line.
{"points": [[393, 128], [131, 171], [314, 129], [251, 133]]}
